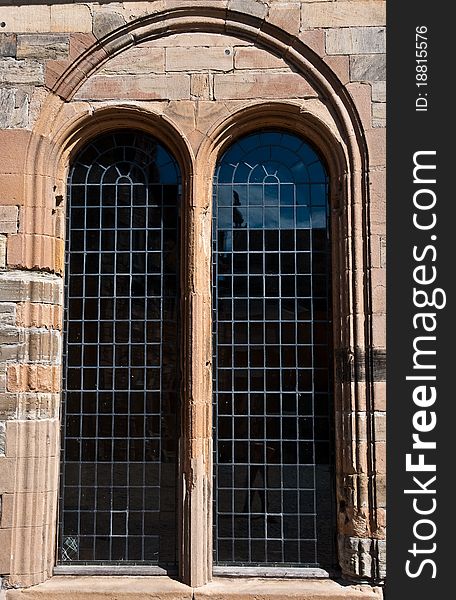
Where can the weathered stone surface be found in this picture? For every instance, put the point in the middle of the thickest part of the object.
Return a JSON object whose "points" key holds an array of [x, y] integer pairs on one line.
{"points": [[9, 335], [32, 287], [362, 557], [133, 588], [8, 44], [343, 14], [5, 547], [21, 71], [23, 19], [283, 589], [286, 15], [379, 114], [105, 21], [31, 405], [8, 217], [201, 86], [35, 252], [14, 108], [256, 58], [136, 61], [36, 314], [205, 59], [2, 251], [2, 453], [356, 40], [43, 47], [379, 91], [7, 313], [255, 8], [261, 85], [195, 40], [368, 67], [33, 378], [69, 18], [134, 87]]}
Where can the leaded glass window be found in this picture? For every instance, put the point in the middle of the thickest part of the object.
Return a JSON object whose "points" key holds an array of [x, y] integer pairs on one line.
{"points": [[121, 357], [272, 389]]}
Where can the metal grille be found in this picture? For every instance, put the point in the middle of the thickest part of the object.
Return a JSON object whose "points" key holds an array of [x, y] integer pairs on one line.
{"points": [[272, 355], [121, 372]]}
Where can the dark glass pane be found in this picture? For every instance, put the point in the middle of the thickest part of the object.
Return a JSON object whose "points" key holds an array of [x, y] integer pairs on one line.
{"points": [[121, 355], [272, 354]]}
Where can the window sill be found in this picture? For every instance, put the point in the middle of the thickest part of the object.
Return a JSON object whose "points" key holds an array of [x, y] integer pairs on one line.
{"points": [[164, 588]]}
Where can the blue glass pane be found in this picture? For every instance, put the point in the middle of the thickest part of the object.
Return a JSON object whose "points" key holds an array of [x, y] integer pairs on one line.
{"points": [[287, 194], [318, 217], [287, 218], [319, 194], [302, 217], [255, 193]]}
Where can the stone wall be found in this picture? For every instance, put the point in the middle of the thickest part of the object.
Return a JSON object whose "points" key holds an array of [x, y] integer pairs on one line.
{"points": [[195, 73]]}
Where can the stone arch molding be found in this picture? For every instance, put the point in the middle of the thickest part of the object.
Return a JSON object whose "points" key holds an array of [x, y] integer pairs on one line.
{"points": [[63, 127]]}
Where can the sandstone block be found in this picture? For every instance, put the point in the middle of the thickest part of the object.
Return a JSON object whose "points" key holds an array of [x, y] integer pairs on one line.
{"points": [[376, 143], [7, 313], [315, 39], [7, 474], [12, 352], [43, 47], [26, 19], [256, 58], [379, 91], [368, 67], [36, 314], [21, 71], [35, 251], [31, 439], [8, 44], [256, 8], [205, 59], [136, 61], [164, 87], [33, 378], [341, 67], [32, 287], [43, 346], [201, 86], [262, 85], [70, 18], [2, 452], [342, 14], [379, 114], [286, 15], [356, 40], [361, 94], [29, 406], [195, 40], [35, 220], [8, 219], [9, 335], [5, 551]]}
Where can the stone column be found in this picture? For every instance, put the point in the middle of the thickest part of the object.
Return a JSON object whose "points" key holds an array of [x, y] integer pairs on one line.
{"points": [[196, 443]]}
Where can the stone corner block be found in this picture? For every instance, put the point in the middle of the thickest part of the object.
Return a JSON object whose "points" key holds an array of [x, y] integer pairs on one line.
{"points": [[8, 44], [368, 67], [105, 22], [356, 40]]}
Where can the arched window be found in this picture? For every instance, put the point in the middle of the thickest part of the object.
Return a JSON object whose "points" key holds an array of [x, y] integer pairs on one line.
{"points": [[273, 490], [121, 366]]}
